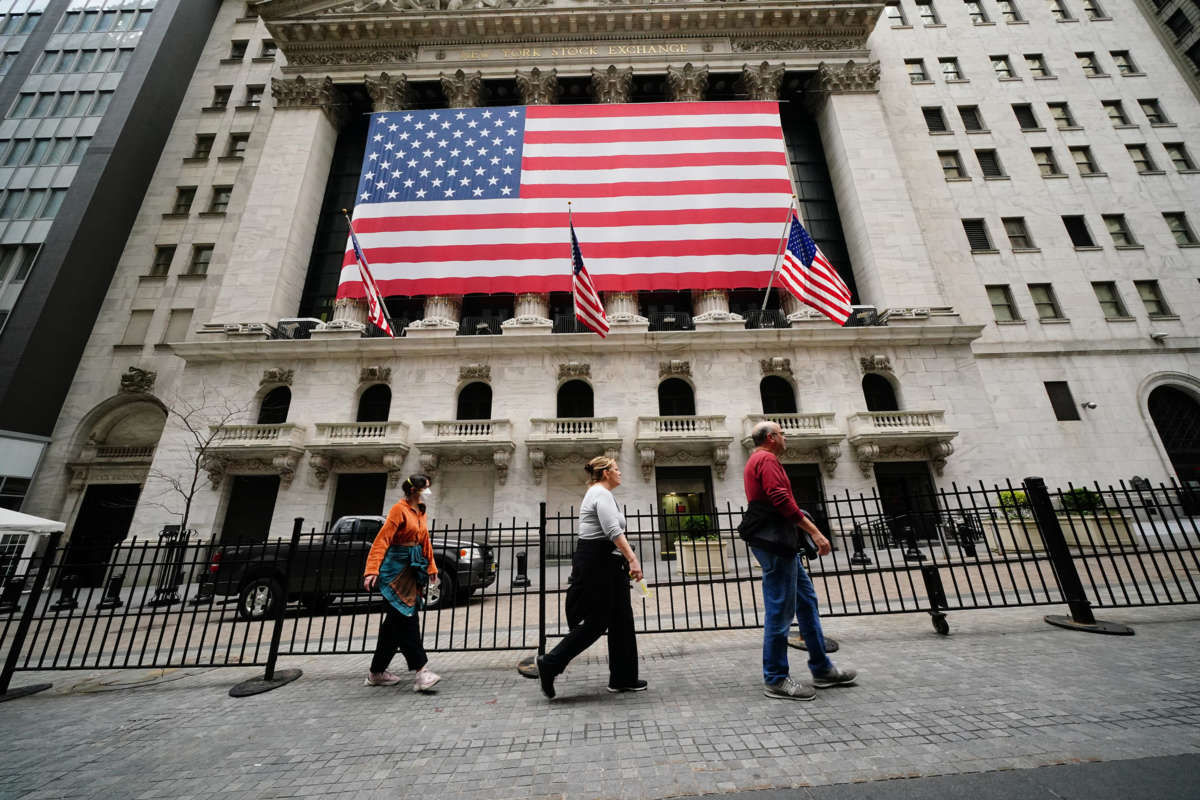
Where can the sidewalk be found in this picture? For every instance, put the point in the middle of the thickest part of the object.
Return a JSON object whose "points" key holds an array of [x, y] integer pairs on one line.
{"points": [[1004, 691]]}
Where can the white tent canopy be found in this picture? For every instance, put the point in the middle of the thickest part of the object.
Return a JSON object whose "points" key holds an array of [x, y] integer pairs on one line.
{"points": [[15, 521]]}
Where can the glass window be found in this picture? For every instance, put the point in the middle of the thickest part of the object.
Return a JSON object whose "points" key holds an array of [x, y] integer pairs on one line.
{"points": [[124, 56], [23, 105], [1003, 307], [178, 322], [104, 61], [34, 198], [1178, 224], [916, 70], [1179, 24], [1002, 67], [135, 331], [163, 256], [1044, 301], [1124, 62], [895, 15], [976, 11], [125, 20], [220, 199], [1177, 152], [45, 102], [59, 152], [142, 20], [53, 204], [47, 61], [1093, 10], [254, 96], [1062, 116], [184, 195], [204, 145], [1059, 10], [935, 121], [1109, 299], [1118, 229], [1154, 112], [1089, 64], [1009, 10], [952, 166], [1082, 156], [1036, 63], [1140, 155], [971, 118], [221, 96], [30, 22], [82, 102], [989, 163], [1152, 298], [269, 49], [102, 101], [1018, 233], [87, 58], [16, 153], [89, 21], [78, 149], [201, 257], [1078, 231], [977, 235], [950, 69], [62, 104], [1061, 400], [1116, 112], [927, 13], [237, 145], [107, 20], [237, 49], [37, 152]]}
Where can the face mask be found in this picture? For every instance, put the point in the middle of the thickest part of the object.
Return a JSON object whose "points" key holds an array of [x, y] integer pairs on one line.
{"points": [[426, 494]]}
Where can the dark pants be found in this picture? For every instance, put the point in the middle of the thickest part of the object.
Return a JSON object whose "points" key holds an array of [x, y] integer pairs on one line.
{"points": [[403, 632], [600, 591]]}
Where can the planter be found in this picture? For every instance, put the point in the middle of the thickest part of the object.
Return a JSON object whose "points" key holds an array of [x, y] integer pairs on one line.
{"points": [[1021, 535], [700, 556]]}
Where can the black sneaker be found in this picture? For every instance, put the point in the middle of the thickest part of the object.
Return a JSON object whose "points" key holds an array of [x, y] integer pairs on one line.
{"points": [[636, 686], [835, 677], [545, 678]]}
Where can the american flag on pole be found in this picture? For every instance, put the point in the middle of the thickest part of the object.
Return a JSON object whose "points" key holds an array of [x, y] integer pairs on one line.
{"points": [[376, 312], [679, 196], [808, 274], [588, 308]]}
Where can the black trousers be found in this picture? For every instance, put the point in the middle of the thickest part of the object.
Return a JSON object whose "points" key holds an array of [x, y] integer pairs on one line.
{"points": [[600, 587], [403, 632]]}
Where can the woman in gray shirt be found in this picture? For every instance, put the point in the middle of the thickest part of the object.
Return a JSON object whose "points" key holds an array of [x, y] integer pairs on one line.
{"points": [[599, 592]]}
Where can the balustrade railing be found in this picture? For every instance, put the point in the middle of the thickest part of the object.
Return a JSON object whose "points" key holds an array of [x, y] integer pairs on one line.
{"points": [[469, 429], [680, 426], [567, 427], [795, 424], [349, 432], [278, 433], [874, 421]]}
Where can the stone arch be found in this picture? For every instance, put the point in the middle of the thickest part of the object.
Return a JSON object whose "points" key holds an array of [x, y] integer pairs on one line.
{"points": [[374, 403], [474, 401], [134, 419], [1182, 382], [778, 395], [880, 392], [575, 398], [676, 398], [274, 406]]}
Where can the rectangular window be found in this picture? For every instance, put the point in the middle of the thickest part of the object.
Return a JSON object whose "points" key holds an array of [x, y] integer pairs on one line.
{"points": [[1002, 67], [1089, 64], [1003, 307], [1065, 409], [976, 12], [16, 153], [77, 151], [204, 145], [1178, 224], [916, 70], [935, 121], [85, 62], [125, 20], [977, 235], [34, 200], [1154, 112], [1044, 301], [1152, 299], [83, 101], [163, 256], [201, 257], [1118, 229], [254, 96], [269, 49], [1109, 299], [178, 322], [1082, 156], [12, 202], [895, 15], [1124, 62], [950, 69], [220, 97], [971, 118], [107, 20], [141, 20], [37, 152], [1009, 11], [220, 199], [1025, 117], [124, 56], [1116, 112], [105, 61], [237, 145], [1018, 233], [237, 49], [1140, 155], [927, 13], [23, 105], [70, 22], [1062, 116], [1177, 152], [45, 101], [59, 152], [952, 166], [989, 163], [54, 203], [1093, 10], [184, 195], [103, 99], [1078, 231], [1059, 10], [1036, 64], [62, 104], [1179, 24], [135, 331]]}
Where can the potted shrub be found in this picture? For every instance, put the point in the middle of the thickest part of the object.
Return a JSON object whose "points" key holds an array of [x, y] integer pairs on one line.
{"points": [[1086, 522], [1015, 531], [700, 547]]}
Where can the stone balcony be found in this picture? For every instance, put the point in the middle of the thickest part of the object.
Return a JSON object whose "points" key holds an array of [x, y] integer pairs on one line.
{"points": [[254, 449], [469, 441], [900, 436], [683, 440], [570, 440], [358, 446], [810, 437], [111, 463]]}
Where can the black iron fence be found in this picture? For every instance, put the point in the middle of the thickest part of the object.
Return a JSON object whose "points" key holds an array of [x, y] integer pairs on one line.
{"points": [[182, 601]]}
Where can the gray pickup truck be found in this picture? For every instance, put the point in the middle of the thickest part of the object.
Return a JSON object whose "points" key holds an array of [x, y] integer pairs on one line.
{"points": [[328, 565]]}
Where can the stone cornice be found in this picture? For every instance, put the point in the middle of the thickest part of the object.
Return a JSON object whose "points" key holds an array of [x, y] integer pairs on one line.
{"points": [[480, 348]]}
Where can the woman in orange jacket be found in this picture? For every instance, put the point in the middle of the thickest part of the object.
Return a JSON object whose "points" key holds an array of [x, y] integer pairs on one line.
{"points": [[401, 565]]}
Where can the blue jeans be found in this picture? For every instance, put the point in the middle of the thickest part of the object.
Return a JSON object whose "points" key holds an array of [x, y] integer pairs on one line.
{"points": [[787, 592]]}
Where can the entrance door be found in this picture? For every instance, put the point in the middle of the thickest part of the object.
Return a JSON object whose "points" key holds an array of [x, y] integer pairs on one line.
{"points": [[359, 494], [251, 506], [103, 521], [684, 499], [906, 494], [809, 492], [1176, 417]]}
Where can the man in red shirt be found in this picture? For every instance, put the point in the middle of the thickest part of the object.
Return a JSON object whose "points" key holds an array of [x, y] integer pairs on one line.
{"points": [[787, 590]]}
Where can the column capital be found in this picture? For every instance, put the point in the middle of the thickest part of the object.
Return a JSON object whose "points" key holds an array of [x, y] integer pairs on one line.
{"points": [[462, 90], [612, 85], [850, 78], [301, 92], [388, 92], [538, 88], [687, 82], [763, 81]]}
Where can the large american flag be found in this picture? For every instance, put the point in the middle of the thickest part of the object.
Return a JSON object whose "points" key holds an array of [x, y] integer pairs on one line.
{"points": [[588, 308], [806, 273], [667, 195]]}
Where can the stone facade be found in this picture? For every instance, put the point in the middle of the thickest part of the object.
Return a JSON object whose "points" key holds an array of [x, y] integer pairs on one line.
{"points": [[977, 383]]}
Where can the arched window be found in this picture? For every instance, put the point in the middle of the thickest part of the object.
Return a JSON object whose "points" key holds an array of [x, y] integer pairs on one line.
{"points": [[575, 399], [879, 394], [1176, 417], [375, 404], [475, 401], [777, 395], [675, 398], [275, 403]]}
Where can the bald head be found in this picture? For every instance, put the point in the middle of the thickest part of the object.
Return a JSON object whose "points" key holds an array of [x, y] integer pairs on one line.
{"points": [[761, 431]]}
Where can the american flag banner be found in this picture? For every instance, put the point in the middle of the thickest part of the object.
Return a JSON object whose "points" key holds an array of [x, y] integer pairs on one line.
{"points": [[679, 196], [376, 311], [588, 308], [808, 274]]}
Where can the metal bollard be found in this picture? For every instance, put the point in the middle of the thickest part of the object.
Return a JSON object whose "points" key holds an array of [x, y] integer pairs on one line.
{"points": [[112, 592], [521, 579], [68, 587], [910, 539], [856, 539], [10, 598]]}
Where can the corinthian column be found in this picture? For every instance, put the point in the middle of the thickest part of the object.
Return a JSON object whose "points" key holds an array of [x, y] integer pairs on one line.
{"points": [[612, 85], [621, 308], [462, 90], [687, 82], [762, 82], [538, 88], [388, 92]]}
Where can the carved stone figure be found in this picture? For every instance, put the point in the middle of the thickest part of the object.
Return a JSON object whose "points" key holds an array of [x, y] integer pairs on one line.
{"points": [[375, 374], [776, 366], [674, 367], [574, 369], [538, 88], [687, 82], [612, 85], [277, 375], [875, 363], [478, 372], [137, 381]]}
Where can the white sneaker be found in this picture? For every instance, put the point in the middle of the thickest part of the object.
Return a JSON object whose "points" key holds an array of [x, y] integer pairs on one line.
{"points": [[426, 678], [384, 678]]}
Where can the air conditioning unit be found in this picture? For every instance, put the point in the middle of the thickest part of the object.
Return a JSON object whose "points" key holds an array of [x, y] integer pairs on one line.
{"points": [[297, 327], [862, 317]]}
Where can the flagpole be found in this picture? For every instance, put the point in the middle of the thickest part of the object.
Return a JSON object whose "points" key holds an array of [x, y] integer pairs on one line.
{"points": [[382, 303], [779, 251]]}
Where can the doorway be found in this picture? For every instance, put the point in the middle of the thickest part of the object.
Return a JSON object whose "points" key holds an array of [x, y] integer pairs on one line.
{"points": [[809, 492], [1176, 417], [359, 494], [103, 521], [684, 498], [906, 496], [251, 507]]}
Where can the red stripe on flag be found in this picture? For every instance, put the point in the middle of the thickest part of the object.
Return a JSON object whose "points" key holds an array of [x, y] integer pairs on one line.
{"points": [[654, 188], [556, 219], [653, 160], [654, 135], [543, 250], [609, 110]]}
